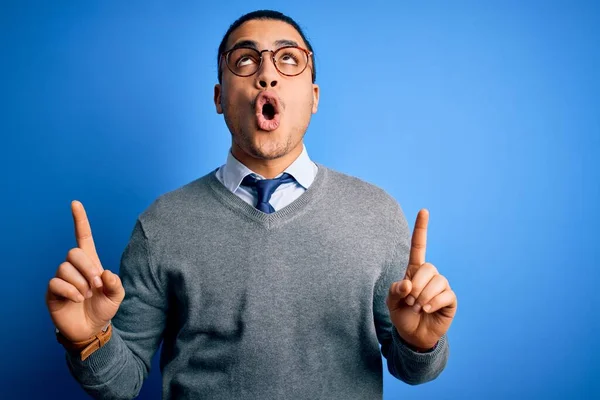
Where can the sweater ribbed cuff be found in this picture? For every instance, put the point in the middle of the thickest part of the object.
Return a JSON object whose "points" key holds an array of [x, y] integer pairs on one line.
{"points": [[415, 356], [99, 362]]}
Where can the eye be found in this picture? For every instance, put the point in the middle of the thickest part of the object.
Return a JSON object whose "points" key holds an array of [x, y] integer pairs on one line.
{"points": [[289, 58], [243, 57], [244, 61]]}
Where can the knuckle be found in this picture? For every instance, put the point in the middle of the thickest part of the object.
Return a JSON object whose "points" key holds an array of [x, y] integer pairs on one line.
{"points": [[71, 254], [445, 281], [53, 283], [416, 289], [71, 275], [56, 286], [62, 268], [430, 267], [85, 236]]}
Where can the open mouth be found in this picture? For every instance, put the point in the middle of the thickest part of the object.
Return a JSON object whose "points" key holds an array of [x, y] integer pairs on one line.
{"points": [[268, 111]]}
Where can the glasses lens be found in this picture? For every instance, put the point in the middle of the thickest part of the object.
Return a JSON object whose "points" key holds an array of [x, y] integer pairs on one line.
{"points": [[243, 61], [290, 60]]}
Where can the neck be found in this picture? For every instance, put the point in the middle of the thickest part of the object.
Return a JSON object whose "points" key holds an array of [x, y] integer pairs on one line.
{"points": [[268, 168]]}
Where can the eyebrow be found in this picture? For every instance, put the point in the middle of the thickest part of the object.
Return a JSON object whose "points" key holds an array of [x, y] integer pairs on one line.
{"points": [[285, 42], [254, 45], [245, 43]]}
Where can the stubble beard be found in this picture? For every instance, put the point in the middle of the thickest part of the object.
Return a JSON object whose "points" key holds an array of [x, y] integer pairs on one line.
{"points": [[270, 149]]}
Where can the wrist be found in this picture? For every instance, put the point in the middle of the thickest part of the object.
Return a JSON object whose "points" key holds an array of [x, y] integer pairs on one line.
{"points": [[417, 348], [86, 347], [74, 343], [422, 349]]}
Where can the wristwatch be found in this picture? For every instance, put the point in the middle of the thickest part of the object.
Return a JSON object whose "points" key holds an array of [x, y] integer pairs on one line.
{"points": [[86, 347]]}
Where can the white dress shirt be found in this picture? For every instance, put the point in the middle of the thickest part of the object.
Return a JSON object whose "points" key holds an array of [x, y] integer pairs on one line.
{"points": [[302, 169]]}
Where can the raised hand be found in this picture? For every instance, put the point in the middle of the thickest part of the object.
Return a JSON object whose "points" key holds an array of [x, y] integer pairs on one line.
{"points": [[422, 305], [83, 297]]}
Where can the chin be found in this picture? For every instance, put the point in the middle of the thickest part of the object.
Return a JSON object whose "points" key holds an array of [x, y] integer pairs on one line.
{"points": [[269, 148], [267, 145], [268, 152]]}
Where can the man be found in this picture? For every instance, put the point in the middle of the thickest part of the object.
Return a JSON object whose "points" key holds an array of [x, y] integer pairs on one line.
{"points": [[271, 277]]}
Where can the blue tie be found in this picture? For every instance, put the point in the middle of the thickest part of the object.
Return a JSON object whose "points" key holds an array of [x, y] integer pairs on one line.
{"points": [[265, 188]]}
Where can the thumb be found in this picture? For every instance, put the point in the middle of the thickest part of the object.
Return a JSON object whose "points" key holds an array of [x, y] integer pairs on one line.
{"points": [[400, 289], [404, 288], [112, 286]]}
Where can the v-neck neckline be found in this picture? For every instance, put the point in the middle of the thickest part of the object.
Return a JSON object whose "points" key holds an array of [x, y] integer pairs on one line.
{"points": [[279, 217]]}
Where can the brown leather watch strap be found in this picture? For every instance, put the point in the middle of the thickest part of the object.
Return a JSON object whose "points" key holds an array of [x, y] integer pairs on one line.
{"points": [[88, 346]]}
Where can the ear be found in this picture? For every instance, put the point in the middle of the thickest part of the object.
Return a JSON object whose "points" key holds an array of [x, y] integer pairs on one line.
{"points": [[315, 98], [217, 99]]}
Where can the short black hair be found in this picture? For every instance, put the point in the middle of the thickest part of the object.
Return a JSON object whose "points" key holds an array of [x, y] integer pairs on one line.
{"points": [[263, 14]]}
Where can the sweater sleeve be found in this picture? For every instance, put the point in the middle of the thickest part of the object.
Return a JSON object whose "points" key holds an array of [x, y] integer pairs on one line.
{"points": [[403, 363], [117, 370]]}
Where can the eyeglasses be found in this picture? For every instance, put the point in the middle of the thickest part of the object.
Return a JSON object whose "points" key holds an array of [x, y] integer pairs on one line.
{"points": [[288, 60]]}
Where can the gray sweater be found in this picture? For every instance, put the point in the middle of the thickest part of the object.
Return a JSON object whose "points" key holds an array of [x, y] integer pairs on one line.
{"points": [[251, 305]]}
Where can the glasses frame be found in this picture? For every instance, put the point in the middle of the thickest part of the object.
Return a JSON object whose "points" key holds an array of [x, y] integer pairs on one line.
{"points": [[225, 55]]}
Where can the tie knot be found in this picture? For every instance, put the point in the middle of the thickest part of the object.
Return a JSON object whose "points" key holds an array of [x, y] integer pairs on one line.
{"points": [[265, 188]]}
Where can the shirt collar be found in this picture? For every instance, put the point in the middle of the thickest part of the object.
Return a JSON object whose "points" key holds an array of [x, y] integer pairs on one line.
{"points": [[302, 169]]}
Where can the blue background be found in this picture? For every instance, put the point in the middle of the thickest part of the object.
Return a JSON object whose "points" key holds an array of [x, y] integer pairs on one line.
{"points": [[486, 113]]}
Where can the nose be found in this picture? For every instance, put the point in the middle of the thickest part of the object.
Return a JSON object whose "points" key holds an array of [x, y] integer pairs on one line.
{"points": [[264, 84], [267, 74]]}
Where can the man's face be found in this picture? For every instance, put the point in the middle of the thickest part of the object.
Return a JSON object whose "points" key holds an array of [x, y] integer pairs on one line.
{"points": [[258, 131]]}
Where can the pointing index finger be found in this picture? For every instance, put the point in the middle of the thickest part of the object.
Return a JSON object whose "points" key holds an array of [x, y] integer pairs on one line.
{"points": [[83, 231], [419, 239]]}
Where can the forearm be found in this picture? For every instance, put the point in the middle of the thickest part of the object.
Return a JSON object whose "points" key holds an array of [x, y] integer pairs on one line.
{"points": [[111, 372], [118, 369], [414, 367]]}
